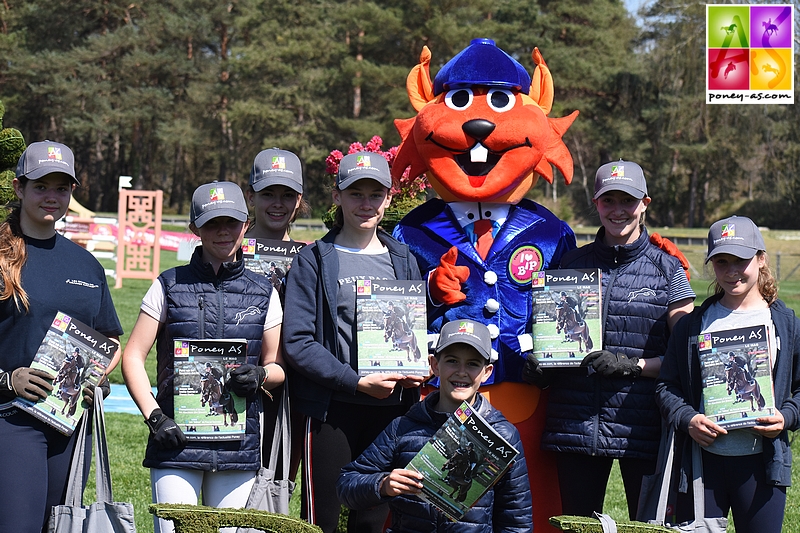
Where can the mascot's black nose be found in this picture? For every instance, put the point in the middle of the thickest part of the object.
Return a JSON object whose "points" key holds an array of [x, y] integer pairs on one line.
{"points": [[478, 128]]}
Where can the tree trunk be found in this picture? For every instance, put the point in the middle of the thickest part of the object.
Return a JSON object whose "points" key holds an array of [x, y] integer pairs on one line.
{"points": [[692, 197]]}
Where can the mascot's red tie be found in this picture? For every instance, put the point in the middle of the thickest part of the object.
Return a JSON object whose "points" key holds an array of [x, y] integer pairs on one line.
{"points": [[483, 237]]}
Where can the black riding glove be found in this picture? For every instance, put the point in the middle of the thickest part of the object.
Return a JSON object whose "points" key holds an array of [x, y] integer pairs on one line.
{"points": [[533, 373], [88, 392], [29, 383], [613, 364], [246, 379], [166, 433]]}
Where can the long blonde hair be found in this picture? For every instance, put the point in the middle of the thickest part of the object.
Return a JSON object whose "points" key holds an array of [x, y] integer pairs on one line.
{"points": [[13, 255], [767, 284]]}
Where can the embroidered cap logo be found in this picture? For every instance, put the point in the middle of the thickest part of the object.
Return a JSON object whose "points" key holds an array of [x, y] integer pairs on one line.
{"points": [[216, 194], [54, 152], [363, 161], [278, 162], [728, 230]]}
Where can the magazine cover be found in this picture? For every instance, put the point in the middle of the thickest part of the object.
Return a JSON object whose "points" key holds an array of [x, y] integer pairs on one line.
{"points": [[392, 331], [270, 257], [566, 315], [77, 356], [463, 459], [736, 368], [205, 409]]}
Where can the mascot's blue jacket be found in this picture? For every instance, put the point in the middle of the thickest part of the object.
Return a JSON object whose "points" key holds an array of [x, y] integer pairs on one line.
{"points": [[679, 388], [616, 417], [531, 239], [506, 507], [202, 304]]}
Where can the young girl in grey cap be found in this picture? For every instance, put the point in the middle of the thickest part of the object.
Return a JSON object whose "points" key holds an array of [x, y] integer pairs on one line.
{"points": [[41, 272], [605, 409], [275, 193], [344, 412], [213, 297], [744, 470]]}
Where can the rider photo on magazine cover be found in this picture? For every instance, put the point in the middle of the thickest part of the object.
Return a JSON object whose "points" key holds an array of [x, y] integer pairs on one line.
{"points": [[566, 315]]}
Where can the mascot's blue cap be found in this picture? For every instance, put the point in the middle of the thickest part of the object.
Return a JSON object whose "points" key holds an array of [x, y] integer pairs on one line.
{"points": [[482, 63]]}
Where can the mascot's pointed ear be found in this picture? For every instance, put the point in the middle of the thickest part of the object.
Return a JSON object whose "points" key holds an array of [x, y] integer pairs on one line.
{"points": [[542, 83], [407, 154], [418, 83], [557, 153]]}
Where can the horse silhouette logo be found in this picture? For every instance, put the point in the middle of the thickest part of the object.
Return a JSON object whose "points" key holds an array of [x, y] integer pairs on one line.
{"points": [[250, 311], [644, 292]]}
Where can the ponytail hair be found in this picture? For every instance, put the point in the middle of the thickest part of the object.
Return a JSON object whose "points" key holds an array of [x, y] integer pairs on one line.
{"points": [[13, 255]]}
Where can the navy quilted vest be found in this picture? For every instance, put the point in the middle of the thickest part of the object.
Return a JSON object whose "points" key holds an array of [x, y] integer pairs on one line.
{"points": [[616, 417], [202, 304]]}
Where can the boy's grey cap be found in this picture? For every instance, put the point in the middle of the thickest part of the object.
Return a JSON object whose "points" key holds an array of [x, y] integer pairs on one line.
{"points": [[46, 157], [217, 199], [624, 176], [466, 332], [360, 165], [738, 236], [277, 167]]}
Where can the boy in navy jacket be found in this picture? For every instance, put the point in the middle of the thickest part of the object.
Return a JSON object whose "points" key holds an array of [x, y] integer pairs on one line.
{"points": [[462, 361]]}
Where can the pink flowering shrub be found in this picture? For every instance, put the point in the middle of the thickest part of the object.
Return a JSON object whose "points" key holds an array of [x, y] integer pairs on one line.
{"points": [[406, 195]]}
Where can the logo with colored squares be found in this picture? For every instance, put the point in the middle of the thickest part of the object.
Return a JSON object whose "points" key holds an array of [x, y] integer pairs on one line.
{"points": [[465, 327], [216, 194], [729, 230], [61, 321], [704, 341], [463, 412], [617, 171], [364, 286], [54, 152], [249, 246], [539, 279], [363, 161], [278, 162], [181, 348], [750, 54]]}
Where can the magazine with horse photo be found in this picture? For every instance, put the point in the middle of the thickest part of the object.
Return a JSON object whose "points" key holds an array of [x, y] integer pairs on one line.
{"points": [[391, 330], [566, 315], [77, 356], [270, 257], [462, 461], [205, 408], [736, 369]]}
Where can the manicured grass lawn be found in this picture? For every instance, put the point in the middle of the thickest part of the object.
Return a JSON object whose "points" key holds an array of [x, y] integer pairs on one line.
{"points": [[127, 433]]}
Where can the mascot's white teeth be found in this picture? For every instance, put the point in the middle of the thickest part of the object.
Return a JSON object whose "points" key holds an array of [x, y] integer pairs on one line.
{"points": [[478, 154]]}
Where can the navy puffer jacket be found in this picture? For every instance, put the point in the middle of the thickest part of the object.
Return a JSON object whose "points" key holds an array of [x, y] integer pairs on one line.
{"points": [[616, 417], [506, 507], [202, 304]]}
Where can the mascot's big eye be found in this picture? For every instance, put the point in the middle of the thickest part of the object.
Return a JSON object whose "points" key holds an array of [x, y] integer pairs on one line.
{"points": [[501, 100], [458, 99]]}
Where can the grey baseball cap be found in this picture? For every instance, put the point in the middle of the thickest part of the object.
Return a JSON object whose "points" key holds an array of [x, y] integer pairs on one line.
{"points": [[46, 157], [738, 236], [217, 199], [276, 167], [624, 176], [360, 165], [466, 332]]}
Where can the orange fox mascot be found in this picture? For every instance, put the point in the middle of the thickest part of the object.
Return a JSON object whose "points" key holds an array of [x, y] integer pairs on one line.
{"points": [[483, 137]]}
